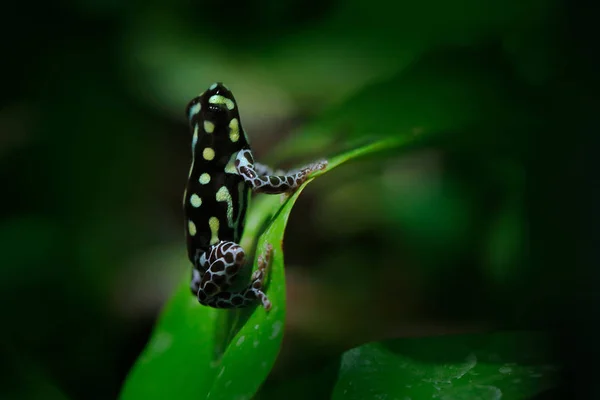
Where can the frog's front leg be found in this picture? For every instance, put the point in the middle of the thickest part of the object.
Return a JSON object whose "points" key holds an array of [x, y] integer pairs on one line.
{"points": [[272, 184], [222, 262], [265, 170]]}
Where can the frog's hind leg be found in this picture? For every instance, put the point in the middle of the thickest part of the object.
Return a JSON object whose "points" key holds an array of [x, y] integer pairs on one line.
{"points": [[255, 289], [225, 260], [195, 282], [221, 263]]}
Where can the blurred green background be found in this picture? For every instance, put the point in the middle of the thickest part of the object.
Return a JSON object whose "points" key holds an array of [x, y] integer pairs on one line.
{"points": [[467, 232]]}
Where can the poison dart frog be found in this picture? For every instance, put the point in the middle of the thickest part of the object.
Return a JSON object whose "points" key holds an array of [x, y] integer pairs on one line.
{"points": [[222, 176]]}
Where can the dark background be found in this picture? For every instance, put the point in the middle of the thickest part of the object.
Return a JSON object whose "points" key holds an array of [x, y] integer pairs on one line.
{"points": [[94, 155]]}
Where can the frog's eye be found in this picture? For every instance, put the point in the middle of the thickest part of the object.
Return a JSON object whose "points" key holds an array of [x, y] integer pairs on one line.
{"points": [[215, 109], [219, 98]]}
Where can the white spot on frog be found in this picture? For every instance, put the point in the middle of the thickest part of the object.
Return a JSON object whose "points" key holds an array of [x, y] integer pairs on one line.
{"points": [[505, 370], [255, 343], [276, 329], [195, 109], [240, 341], [195, 200], [256, 326], [204, 178]]}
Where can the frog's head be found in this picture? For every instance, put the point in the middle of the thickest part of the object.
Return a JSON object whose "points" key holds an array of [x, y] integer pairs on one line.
{"points": [[215, 113], [216, 106]]}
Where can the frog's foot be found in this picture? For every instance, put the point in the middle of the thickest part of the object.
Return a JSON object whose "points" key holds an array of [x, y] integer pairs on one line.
{"points": [[225, 262], [316, 166], [258, 277]]}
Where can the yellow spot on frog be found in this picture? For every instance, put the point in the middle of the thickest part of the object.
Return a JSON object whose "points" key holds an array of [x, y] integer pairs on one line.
{"points": [[195, 200], [209, 127], [219, 99], [213, 223], [192, 228], [224, 195], [230, 167], [234, 130], [204, 178], [208, 154]]}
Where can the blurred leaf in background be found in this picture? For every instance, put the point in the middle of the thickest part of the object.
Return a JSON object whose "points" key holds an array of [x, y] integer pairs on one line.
{"points": [[502, 365]]}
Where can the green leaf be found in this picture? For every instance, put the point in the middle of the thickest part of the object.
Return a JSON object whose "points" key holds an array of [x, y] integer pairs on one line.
{"points": [[201, 353], [176, 361], [510, 365]]}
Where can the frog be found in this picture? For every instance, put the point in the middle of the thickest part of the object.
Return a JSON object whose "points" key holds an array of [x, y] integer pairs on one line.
{"points": [[222, 177]]}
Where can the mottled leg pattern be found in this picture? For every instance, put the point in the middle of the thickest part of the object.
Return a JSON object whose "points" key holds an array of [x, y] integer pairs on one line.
{"points": [[195, 283], [272, 184], [265, 170], [223, 262], [258, 277]]}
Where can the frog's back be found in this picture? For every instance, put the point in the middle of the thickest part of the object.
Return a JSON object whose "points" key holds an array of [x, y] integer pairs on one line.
{"points": [[216, 196]]}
